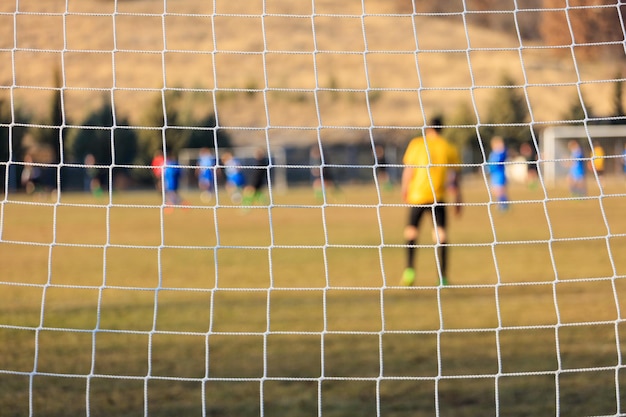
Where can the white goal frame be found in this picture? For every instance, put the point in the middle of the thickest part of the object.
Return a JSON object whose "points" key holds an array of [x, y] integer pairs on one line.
{"points": [[552, 157]]}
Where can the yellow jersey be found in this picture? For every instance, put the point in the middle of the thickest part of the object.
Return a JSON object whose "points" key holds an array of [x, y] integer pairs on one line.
{"points": [[430, 159], [598, 158]]}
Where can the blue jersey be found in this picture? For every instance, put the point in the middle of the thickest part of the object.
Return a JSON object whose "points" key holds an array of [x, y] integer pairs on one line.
{"points": [[577, 169], [234, 174], [207, 165], [497, 169], [171, 176]]}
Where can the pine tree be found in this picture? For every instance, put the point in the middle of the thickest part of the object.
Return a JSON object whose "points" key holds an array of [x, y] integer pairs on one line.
{"points": [[107, 145], [179, 125], [49, 138], [507, 114], [10, 144]]}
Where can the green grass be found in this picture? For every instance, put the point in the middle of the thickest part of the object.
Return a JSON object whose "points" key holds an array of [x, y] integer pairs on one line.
{"points": [[294, 310]]}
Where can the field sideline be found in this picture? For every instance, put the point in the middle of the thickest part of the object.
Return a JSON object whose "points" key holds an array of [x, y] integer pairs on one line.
{"points": [[113, 307]]}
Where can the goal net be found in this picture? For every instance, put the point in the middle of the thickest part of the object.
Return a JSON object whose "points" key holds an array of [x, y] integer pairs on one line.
{"points": [[124, 290]]}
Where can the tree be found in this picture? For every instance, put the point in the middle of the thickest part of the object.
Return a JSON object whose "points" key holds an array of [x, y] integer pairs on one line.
{"points": [[578, 111], [49, 138], [507, 113], [94, 137], [181, 127], [107, 143], [464, 134], [208, 135], [11, 149]]}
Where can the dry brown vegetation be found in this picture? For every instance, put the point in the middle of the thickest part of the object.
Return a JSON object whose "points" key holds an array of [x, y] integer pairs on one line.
{"points": [[280, 67]]}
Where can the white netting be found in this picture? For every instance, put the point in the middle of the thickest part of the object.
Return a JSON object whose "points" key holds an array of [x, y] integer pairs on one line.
{"points": [[118, 297]]}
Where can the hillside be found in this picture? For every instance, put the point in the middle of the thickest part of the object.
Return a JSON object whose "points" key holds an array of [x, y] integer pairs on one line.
{"points": [[279, 67]]}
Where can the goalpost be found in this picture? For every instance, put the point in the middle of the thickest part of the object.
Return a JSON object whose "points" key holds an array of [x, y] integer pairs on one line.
{"points": [[555, 153], [113, 302]]}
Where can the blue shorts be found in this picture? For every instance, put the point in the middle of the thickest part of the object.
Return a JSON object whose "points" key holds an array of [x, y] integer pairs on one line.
{"points": [[237, 180], [498, 180], [577, 175]]}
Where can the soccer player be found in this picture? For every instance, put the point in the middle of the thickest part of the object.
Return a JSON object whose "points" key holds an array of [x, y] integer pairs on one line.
{"points": [[235, 180], [497, 172], [597, 162], [624, 159], [527, 152], [206, 174], [431, 165], [382, 171], [320, 176], [171, 181], [576, 175], [157, 168], [92, 176], [253, 191], [31, 175]]}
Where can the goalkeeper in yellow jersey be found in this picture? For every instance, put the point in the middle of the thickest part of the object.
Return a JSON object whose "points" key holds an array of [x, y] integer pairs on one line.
{"points": [[431, 167], [597, 161]]}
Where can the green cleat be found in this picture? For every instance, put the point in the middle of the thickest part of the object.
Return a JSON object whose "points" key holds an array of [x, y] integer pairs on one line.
{"points": [[408, 277], [444, 281]]}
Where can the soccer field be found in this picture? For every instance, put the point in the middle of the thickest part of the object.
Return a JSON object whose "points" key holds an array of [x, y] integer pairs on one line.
{"points": [[113, 307]]}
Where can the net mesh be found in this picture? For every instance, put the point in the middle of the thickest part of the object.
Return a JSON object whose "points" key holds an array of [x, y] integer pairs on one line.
{"points": [[118, 296]]}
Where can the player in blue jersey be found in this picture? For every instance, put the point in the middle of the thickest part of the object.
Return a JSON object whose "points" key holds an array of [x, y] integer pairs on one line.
{"points": [[497, 172], [206, 174], [624, 159], [235, 179], [171, 182], [576, 175]]}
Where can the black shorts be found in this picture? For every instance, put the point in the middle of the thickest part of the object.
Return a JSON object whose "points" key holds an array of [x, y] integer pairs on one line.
{"points": [[416, 213], [259, 179]]}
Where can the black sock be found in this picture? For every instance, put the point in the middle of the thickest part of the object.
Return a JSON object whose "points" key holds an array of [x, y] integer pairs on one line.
{"points": [[411, 249], [443, 259]]}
